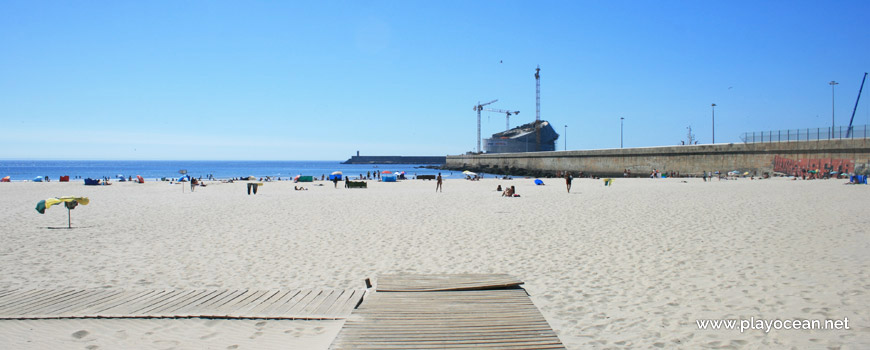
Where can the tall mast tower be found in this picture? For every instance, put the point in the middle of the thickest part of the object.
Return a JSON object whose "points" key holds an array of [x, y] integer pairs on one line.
{"points": [[538, 109]]}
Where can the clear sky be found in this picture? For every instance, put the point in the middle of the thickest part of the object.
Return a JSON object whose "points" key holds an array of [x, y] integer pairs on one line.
{"points": [[282, 80]]}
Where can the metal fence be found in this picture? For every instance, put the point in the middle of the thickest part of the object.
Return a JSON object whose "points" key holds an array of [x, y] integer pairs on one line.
{"points": [[808, 134]]}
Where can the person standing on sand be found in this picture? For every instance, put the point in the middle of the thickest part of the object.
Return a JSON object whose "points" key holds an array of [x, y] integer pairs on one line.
{"points": [[438, 183], [568, 181]]}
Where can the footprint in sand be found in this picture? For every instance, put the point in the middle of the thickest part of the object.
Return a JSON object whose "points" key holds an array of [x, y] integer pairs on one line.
{"points": [[231, 347], [92, 347], [166, 342], [209, 336], [80, 334], [260, 324]]}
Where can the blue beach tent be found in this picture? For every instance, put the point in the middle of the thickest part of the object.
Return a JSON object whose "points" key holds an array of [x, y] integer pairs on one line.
{"points": [[38, 179]]}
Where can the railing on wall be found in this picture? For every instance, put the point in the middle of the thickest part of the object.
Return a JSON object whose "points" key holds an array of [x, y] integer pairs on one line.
{"points": [[808, 134]]}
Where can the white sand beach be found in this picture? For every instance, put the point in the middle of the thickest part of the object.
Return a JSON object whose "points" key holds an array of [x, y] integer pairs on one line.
{"points": [[629, 266]]}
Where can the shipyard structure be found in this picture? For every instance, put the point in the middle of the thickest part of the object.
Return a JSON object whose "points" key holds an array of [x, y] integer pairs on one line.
{"points": [[523, 138]]}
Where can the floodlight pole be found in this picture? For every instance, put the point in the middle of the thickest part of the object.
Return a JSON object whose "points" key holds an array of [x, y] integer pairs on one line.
{"points": [[620, 131], [832, 83], [714, 122]]}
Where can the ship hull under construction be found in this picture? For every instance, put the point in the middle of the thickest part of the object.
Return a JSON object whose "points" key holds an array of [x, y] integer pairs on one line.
{"points": [[522, 139]]}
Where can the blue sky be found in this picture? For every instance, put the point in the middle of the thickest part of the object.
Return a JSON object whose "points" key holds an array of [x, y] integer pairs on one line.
{"points": [[283, 80]]}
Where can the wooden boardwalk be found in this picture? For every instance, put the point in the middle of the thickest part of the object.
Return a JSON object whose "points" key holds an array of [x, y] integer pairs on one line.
{"points": [[310, 304], [475, 311], [432, 283]]}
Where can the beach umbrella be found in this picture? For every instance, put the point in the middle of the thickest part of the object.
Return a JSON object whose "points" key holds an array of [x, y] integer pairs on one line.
{"points": [[37, 179], [469, 173], [336, 173], [386, 172], [296, 178], [5, 179], [746, 173], [70, 202], [140, 179]]}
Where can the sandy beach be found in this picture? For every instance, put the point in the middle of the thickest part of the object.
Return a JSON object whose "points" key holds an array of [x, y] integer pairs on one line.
{"points": [[634, 265]]}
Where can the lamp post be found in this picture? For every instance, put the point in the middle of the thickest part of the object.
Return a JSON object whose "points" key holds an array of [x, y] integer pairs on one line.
{"points": [[620, 131], [566, 137], [832, 83], [714, 122]]}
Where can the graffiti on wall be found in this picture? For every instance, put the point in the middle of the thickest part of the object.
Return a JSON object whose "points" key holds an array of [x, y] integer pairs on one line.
{"points": [[803, 165]]}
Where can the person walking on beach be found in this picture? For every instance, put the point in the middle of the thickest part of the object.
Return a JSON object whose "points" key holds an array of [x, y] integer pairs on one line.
{"points": [[568, 181], [438, 183]]}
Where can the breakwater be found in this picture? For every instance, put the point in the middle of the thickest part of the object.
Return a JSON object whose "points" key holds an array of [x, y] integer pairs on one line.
{"points": [[435, 160], [842, 155]]}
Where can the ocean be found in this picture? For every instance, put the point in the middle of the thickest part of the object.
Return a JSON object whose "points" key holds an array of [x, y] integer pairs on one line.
{"points": [[19, 170]]}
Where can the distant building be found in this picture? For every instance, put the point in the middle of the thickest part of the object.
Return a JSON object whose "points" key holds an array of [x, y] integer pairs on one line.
{"points": [[521, 139]]}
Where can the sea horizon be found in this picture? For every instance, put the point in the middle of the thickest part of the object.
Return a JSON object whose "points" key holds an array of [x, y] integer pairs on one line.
{"points": [[28, 169]]}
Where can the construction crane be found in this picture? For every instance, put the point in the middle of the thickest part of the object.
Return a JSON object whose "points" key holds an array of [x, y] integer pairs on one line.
{"points": [[538, 108], [849, 130], [478, 108], [507, 123]]}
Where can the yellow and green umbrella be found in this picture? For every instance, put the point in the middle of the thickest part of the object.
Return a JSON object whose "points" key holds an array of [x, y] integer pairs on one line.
{"points": [[70, 202]]}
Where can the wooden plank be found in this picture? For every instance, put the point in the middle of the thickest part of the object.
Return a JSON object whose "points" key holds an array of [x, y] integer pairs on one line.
{"points": [[109, 303], [447, 311], [25, 305], [268, 297], [156, 303], [279, 302], [274, 304], [230, 306], [302, 303], [119, 306], [222, 300], [190, 305], [14, 298], [397, 283], [345, 303], [76, 307]]}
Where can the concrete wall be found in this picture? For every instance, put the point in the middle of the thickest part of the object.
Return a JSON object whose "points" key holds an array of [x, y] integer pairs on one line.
{"points": [[752, 157]]}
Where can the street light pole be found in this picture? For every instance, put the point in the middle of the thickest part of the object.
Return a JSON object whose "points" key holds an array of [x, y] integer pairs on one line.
{"points": [[832, 83], [620, 131], [714, 122], [566, 137]]}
